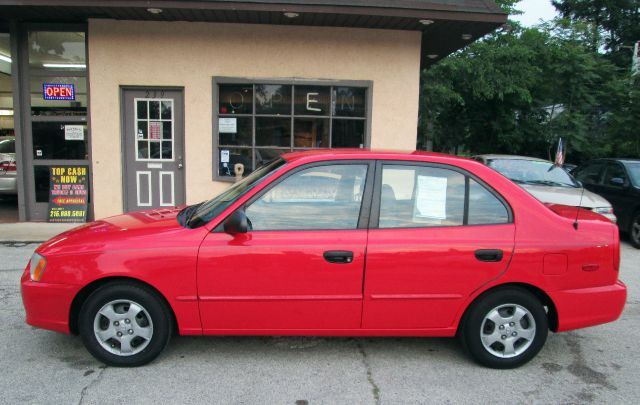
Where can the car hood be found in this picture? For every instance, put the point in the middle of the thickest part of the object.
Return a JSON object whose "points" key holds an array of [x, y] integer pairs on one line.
{"points": [[152, 229], [565, 196]]}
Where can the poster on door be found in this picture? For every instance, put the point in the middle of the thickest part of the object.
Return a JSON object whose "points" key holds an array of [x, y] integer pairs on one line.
{"points": [[68, 193]]}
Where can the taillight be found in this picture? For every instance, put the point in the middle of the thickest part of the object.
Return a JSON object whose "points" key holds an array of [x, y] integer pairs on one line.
{"points": [[8, 166]]}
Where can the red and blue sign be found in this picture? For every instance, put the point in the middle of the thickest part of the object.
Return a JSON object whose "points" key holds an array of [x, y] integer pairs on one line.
{"points": [[58, 91]]}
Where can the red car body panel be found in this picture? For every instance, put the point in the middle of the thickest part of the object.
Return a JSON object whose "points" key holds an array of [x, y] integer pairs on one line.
{"points": [[402, 282]]}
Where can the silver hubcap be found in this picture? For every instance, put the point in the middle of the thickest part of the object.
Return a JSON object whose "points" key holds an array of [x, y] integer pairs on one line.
{"points": [[635, 230], [123, 327], [507, 330]]}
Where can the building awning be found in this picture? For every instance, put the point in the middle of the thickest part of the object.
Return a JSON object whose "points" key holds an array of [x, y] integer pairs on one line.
{"points": [[446, 25]]}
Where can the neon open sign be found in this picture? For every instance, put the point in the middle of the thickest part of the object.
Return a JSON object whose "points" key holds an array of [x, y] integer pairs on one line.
{"points": [[57, 91]]}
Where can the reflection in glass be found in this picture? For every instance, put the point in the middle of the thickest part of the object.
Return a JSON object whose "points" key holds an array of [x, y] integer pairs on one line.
{"points": [[166, 109], [236, 99], [42, 178], [311, 133], [312, 100], [234, 155], [273, 99], [142, 109], [57, 50], [348, 134], [49, 142], [273, 131], [154, 110]]}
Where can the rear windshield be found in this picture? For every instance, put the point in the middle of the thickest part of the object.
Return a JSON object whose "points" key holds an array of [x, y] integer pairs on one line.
{"points": [[538, 172]]}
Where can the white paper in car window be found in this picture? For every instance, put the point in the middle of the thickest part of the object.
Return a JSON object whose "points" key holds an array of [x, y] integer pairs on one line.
{"points": [[431, 197]]}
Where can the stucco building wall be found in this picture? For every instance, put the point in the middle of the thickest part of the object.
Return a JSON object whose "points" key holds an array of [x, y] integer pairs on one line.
{"points": [[189, 55]]}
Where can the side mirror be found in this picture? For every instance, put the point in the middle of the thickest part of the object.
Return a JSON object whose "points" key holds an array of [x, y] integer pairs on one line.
{"points": [[236, 223], [617, 181]]}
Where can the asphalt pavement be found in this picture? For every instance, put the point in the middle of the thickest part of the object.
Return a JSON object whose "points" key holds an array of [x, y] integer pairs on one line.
{"points": [[594, 365]]}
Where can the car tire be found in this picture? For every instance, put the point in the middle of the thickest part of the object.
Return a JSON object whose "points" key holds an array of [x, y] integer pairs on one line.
{"points": [[124, 324], [634, 230], [504, 328]]}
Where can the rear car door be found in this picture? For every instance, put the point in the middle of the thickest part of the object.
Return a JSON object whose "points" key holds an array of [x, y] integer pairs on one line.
{"points": [[437, 235], [301, 265]]}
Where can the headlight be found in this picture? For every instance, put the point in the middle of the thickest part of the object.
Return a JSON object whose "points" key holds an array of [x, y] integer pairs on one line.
{"points": [[36, 268]]}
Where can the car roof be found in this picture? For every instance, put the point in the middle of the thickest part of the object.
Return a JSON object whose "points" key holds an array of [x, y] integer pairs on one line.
{"points": [[510, 157], [328, 154], [621, 160]]}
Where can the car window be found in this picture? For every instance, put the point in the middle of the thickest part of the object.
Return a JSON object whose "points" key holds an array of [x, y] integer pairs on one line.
{"points": [[484, 206], [527, 171], [590, 174], [417, 196], [615, 171], [8, 146], [634, 172], [322, 197]]}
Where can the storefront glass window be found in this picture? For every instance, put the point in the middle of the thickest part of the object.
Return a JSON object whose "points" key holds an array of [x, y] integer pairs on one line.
{"points": [[73, 102], [57, 50], [257, 122]]}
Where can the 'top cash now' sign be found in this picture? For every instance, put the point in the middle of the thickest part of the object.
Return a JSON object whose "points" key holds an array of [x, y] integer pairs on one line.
{"points": [[58, 91]]}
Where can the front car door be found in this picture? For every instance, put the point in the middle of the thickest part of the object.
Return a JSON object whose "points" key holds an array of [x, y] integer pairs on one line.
{"points": [[440, 235], [301, 265], [615, 189]]}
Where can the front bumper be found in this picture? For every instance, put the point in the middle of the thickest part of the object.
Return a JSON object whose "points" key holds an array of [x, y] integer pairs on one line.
{"points": [[589, 306], [47, 305]]}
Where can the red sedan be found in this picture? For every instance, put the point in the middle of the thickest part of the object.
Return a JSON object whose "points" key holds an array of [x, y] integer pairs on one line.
{"points": [[338, 243]]}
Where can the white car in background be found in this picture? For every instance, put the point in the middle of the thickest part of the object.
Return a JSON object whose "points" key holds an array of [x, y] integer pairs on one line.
{"points": [[8, 166], [546, 182]]}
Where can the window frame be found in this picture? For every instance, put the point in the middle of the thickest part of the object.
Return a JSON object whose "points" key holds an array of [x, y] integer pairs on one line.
{"points": [[377, 195], [367, 85], [365, 206]]}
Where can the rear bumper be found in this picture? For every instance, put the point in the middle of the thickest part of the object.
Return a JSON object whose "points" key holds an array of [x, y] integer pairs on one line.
{"points": [[589, 306], [47, 305], [8, 184]]}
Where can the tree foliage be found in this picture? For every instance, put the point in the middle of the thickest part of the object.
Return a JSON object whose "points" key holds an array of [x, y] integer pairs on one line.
{"points": [[517, 92]]}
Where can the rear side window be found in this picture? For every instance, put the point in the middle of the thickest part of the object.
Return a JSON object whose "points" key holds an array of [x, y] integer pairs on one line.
{"points": [[317, 198], [422, 197]]}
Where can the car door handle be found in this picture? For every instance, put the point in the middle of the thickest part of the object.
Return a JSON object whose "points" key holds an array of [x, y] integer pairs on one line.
{"points": [[489, 255], [338, 256]]}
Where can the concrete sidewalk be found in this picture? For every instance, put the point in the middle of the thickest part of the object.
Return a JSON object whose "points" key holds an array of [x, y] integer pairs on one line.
{"points": [[31, 231]]}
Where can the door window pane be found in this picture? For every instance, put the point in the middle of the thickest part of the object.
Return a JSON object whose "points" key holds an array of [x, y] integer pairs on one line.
{"points": [[311, 133], [349, 102], [415, 196], [326, 197], [273, 99], [236, 99], [50, 142], [615, 171], [348, 134], [312, 100], [53, 50], [484, 207], [271, 131]]}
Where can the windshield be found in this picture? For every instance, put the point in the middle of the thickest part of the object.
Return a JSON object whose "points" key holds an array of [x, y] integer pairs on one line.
{"points": [[634, 172], [197, 215], [538, 172]]}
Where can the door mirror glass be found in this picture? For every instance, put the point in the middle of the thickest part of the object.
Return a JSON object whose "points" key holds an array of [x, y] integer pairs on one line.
{"points": [[236, 223]]}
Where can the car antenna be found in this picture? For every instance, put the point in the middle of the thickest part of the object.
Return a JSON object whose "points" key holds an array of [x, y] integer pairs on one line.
{"points": [[575, 223]]}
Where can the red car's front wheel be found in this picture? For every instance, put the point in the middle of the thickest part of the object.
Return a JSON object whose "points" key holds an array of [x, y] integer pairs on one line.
{"points": [[124, 325]]}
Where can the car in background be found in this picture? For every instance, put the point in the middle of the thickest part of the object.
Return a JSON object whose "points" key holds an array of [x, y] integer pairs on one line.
{"points": [[617, 180], [452, 248], [8, 166], [547, 182]]}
